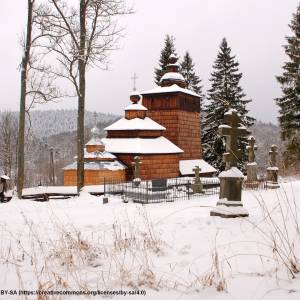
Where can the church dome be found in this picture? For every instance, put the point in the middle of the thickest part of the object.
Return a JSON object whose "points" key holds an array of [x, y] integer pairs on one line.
{"points": [[172, 75], [95, 131]]}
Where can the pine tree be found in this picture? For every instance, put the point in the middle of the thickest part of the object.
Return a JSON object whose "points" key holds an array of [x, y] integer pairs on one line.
{"points": [[169, 48], [225, 93], [289, 102], [187, 70]]}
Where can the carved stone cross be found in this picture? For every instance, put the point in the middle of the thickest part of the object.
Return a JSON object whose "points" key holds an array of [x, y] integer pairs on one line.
{"points": [[232, 130], [273, 156], [251, 149], [197, 186], [197, 171], [137, 163]]}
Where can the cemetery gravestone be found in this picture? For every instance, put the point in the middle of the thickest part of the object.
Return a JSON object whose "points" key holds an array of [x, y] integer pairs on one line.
{"points": [[137, 165], [197, 186], [230, 204], [272, 170], [251, 165]]}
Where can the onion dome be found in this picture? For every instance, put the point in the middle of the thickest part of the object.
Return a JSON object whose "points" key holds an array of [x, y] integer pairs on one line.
{"points": [[135, 97], [95, 132], [135, 110], [172, 75]]}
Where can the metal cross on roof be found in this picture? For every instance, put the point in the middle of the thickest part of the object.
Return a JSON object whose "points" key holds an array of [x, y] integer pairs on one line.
{"points": [[95, 119], [134, 78], [233, 130]]}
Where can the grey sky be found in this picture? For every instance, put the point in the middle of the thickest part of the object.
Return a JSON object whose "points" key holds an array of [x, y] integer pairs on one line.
{"points": [[255, 29]]}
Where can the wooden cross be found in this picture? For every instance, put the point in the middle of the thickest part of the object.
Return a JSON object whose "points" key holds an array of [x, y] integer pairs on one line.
{"points": [[232, 130], [251, 149], [137, 163], [134, 78], [273, 156]]}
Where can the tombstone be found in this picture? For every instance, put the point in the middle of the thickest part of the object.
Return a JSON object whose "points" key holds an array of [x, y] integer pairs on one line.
{"points": [[159, 185], [251, 165], [197, 186], [272, 170], [230, 204], [105, 200], [136, 173]]}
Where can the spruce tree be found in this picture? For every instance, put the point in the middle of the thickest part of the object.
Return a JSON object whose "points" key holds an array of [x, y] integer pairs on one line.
{"points": [[187, 69], [289, 102], [169, 48], [225, 93]]}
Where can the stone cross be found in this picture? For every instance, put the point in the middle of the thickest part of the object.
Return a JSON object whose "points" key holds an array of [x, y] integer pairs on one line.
{"points": [[134, 78], [232, 130], [251, 149], [197, 171], [137, 164], [197, 186], [273, 156]]}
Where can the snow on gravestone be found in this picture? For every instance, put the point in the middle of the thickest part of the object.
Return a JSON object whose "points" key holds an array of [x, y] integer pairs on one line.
{"points": [[272, 170], [251, 165], [230, 204]]}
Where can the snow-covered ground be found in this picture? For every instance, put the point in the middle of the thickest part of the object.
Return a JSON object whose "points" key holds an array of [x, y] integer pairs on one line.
{"points": [[169, 250]]}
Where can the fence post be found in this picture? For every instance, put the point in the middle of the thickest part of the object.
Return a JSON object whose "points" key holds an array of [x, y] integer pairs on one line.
{"points": [[104, 186], [147, 187], [188, 189]]}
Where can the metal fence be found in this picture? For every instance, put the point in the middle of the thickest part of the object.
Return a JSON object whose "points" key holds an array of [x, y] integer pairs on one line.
{"points": [[163, 190], [170, 190]]}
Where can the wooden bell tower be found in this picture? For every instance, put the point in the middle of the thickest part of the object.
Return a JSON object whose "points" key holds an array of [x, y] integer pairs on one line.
{"points": [[178, 109]]}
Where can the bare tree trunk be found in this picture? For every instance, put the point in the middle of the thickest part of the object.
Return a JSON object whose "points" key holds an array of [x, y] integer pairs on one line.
{"points": [[25, 62], [81, 98]]}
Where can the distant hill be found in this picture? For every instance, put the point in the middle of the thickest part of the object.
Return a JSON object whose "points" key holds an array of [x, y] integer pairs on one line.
{"points": [[266, 134], [53, 122]]}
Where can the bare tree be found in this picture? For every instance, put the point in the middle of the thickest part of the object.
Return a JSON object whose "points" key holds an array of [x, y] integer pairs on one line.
{"points": [[82, 37], [8, 143], [37, 80]]}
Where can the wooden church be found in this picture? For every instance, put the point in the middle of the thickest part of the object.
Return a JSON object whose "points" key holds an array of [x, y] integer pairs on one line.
{"points": [[161, 126]]}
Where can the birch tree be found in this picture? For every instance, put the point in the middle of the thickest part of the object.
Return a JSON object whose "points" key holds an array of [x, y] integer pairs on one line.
{"points": [[82, 36], [37, 80]]}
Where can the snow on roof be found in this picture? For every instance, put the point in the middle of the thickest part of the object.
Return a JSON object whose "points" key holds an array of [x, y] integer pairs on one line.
{"points": [[233, 172], [159, 145], [170, 89], [98, 165], [136, 106], [172, 75], [186, 166], [135, 124], [99, 154], [94, 141], [224, 126], [95, 131], [230, 111]]}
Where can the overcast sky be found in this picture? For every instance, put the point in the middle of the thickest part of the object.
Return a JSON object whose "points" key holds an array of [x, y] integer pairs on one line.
{"points": [[255, 30]]}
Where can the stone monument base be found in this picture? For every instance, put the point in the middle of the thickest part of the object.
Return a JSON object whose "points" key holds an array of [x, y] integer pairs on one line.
{"points": [[272, 178], [229, 209], [197, 188], [230, 204], [252, 171]]}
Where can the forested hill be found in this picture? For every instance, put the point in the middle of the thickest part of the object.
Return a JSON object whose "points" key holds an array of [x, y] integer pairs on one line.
{"points": [[53, 122]]}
